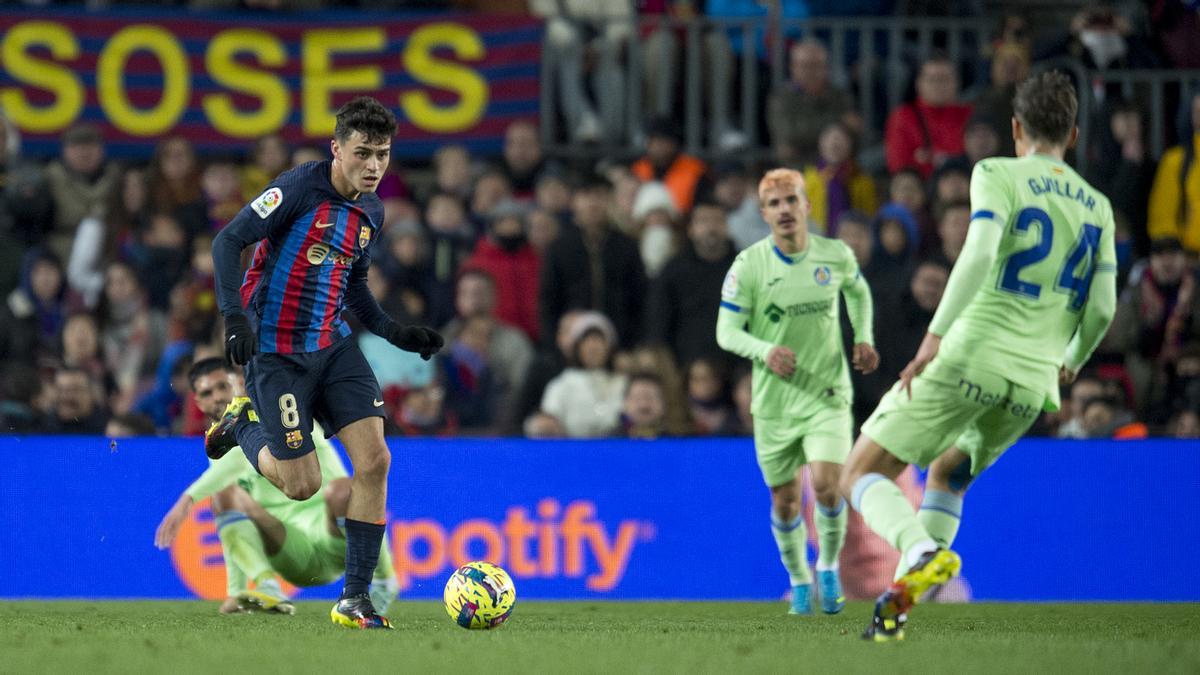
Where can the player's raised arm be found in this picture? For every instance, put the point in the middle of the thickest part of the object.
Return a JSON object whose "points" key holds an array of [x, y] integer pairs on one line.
{"points": [[1099, 309]]}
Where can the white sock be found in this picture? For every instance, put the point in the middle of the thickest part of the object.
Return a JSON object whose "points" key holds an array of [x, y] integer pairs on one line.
{"points": [[913, 554]]}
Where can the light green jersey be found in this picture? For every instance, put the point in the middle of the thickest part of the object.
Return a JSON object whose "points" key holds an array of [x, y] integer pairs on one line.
{"points": [[770, 298], [234, 468], [1055, 244]]}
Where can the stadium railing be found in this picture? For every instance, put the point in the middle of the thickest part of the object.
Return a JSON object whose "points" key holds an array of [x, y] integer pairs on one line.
{"points": [[875, 57]]}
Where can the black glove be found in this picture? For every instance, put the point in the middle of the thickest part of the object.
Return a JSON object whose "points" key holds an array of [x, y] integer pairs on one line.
{"points": [[240, 342], [419, 339]]}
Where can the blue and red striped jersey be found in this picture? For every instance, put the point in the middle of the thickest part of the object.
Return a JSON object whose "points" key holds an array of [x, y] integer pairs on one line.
{"points": [[312, 245]]}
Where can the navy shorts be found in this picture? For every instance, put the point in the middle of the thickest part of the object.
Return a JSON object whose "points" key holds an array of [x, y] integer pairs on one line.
{"points": [[333, 386]]}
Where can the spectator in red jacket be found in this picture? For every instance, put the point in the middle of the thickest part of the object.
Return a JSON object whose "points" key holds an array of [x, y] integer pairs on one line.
{"points": [[925, 133], [507, 256]]}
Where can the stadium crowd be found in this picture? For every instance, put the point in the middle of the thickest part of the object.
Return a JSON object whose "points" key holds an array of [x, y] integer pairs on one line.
{"points": [[578, 298]]}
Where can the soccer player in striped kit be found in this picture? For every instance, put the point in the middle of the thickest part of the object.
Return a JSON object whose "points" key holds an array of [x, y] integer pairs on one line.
{"points": [[313, 228]]}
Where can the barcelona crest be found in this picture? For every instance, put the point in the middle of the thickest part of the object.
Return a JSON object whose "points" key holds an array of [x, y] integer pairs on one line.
{"points": [[294, 439], [364, 236]]}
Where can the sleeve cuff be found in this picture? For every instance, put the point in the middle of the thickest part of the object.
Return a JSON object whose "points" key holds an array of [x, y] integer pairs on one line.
{"points": [[730, 306]]}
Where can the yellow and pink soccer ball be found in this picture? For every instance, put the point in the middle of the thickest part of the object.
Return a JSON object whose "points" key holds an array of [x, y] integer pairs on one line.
{"points": [[479, 595]]}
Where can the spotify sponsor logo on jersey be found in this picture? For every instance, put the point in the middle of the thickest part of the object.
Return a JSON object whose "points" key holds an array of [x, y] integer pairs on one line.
{"points": [[317, 253]]}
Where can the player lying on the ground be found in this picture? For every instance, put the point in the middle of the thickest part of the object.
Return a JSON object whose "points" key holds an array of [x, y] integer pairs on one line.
{"points": [[1030, 298], [262, 532], [779, 308], [312, 231]]}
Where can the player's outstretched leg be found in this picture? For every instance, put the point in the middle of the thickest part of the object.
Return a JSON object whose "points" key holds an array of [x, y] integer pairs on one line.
{"points": [[934, 568]]}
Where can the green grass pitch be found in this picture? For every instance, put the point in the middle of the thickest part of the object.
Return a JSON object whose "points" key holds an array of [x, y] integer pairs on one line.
{"points": [[599, 637]]}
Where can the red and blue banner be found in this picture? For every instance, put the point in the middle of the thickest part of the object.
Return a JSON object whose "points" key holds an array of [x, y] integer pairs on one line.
{"points": [[225, 79]]}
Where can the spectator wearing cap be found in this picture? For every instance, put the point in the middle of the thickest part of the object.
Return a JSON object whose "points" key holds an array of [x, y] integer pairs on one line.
{"points": [[505, 254], [591, 265], [80, 180], [925, 133], [806, 104], [585, 400], [1174, 209], [735, 193], [654, 217], [1158, 314], [682, 309], [665, 162], [834, 183]]}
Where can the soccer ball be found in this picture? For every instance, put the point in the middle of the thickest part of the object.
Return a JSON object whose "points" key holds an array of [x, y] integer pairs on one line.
{"points": [[479, 595]]}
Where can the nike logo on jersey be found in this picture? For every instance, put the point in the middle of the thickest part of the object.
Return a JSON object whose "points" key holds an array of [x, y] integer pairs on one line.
{"points": [[772, 282], [377, 403], [324, 225]]}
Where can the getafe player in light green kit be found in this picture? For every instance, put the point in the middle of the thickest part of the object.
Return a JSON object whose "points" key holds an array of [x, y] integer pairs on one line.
{"points": [[262, 531], [1029, 299], [779, 308]]}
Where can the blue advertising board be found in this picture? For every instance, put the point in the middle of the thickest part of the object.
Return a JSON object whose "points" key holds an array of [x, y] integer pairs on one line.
{"points": [[668, 519]]}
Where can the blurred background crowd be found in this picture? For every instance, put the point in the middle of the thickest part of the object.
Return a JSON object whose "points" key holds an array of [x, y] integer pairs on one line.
{"points": [[576, 275]]}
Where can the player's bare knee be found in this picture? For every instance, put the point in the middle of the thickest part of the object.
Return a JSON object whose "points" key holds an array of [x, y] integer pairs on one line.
{"points": [[786, 503], [302, 488], [374, 465], [828, 492]]}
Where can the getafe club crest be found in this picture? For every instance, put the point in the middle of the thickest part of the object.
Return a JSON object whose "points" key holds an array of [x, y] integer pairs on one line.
{"points": [[822, 275], [364, 236]]}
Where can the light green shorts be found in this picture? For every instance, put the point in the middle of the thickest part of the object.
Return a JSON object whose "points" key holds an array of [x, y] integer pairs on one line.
{"points": [[784, 444], [980, 413], [310, 556]]}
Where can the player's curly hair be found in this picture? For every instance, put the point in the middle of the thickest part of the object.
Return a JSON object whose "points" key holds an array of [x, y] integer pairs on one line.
{"points": [[368, 116], [1046, 106]]}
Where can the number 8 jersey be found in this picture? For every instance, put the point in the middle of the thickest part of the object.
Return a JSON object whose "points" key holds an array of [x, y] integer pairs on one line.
{"points": [[1055, 244]]}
